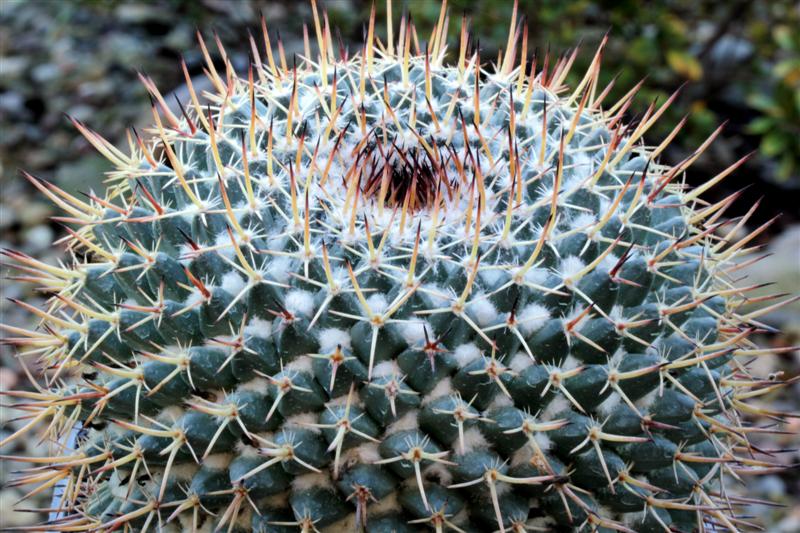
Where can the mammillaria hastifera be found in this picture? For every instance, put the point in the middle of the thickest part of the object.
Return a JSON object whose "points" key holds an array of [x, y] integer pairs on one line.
{"points": [[382, 291]]}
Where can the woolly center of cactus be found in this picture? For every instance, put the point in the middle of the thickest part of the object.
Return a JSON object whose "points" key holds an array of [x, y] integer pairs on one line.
{"points": [[400, 177]]}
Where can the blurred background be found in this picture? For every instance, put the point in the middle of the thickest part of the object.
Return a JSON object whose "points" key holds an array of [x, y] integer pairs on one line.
{"points": [[740, 61]]}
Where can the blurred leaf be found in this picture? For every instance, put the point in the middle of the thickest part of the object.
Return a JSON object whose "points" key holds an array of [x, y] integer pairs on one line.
{"points": [[760, 125], [685, 64], [773, 144]]}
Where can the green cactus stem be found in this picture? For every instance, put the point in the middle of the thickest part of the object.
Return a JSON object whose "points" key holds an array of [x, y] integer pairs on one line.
{"points": [[396, 289]]}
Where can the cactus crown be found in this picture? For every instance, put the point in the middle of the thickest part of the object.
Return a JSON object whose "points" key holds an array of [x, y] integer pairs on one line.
{"points": [[383, 290]]}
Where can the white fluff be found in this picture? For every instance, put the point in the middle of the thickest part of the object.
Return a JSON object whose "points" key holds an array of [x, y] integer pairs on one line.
{"points": [[222, 244], [616, 359], [492, 276], [300, 364], [532, 317], [170, 415], [443, 388], [633, 520], [520, 362], [366, 453], [386, 505], [300, 302], [342, 400], [413, 332], [191, 300], [570, 266], [217, 461], [483, 311], [537, 276], [330, 338], [377, 303], [521, 456], [404, 423], [570, 363], [183, 472], [257, 327], [303, 420], [438, 471], [466, 353], [232, 283], [583, 220], [474, 440], [257, 384], [244, 450], [609, 261], [386, 368], [543, 440], [310, 481], [500, 400], [574, 313], [437, 295], [279, 268], [609, 405], [541, 523], [556, 406], [647, 400]]}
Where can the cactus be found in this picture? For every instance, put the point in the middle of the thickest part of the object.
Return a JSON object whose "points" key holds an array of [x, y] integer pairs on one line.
{"points": [[386, 292]]}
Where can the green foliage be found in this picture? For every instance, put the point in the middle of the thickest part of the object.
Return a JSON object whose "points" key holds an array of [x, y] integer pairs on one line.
{"points": [[779, 105]]}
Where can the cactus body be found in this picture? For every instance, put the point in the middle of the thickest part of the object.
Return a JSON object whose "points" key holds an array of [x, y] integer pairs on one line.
{"points": [[390, 293]]}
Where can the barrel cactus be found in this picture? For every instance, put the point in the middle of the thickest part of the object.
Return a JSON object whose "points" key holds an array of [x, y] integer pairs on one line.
{"points": [[384, 291]]}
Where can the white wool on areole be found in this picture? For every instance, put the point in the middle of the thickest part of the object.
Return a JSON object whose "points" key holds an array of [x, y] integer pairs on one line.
{"points": [[609, 406], [388, 504], [500, 400], [483, 311], [536, 276], [557, 405], [299, 302], [305, 421], [258, 327], [257, 384], [386, 369], [245, 450], [570, 363], [647, 400], [330, 338], [466, 353], [413, 331], [279, 268], [377, 303], [364, 454], [300, 364], [232, 283], [406, 422], [544, 442], [439, 472], [217, 461], [171, 414], [311, 481], [520, 362], [570, 266], [474, 440], [444, 387], [532, 317]]}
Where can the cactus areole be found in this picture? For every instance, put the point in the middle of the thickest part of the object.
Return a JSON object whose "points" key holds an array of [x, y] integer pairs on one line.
{"points": [[392, 289]]}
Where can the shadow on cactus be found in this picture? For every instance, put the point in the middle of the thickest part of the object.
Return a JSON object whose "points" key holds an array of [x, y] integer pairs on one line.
{"points": [[394, 289]]}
